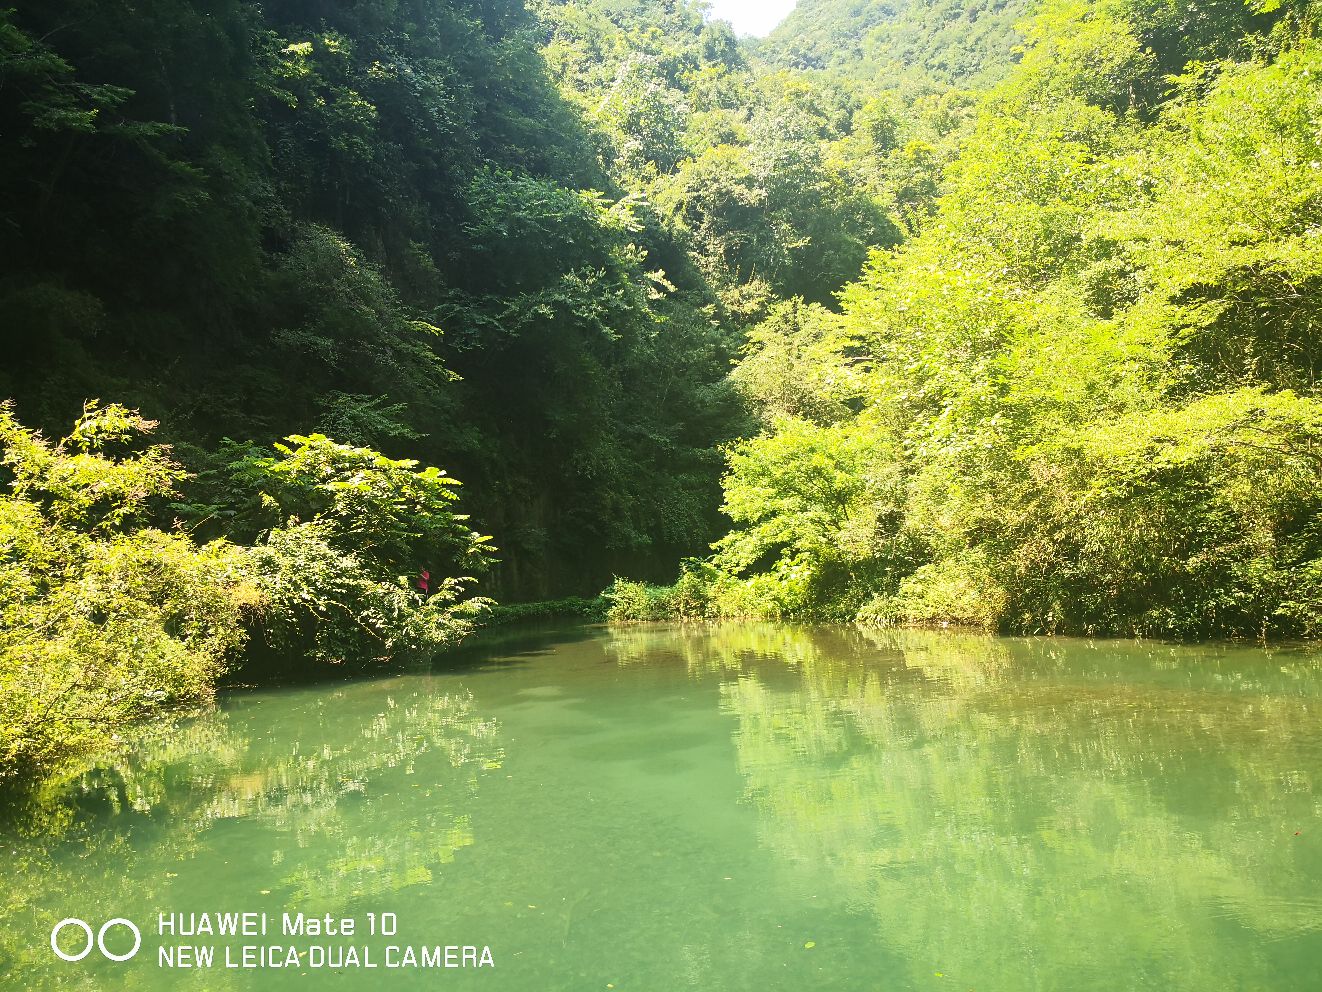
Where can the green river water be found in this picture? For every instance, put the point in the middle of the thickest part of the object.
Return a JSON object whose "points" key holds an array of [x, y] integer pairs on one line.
{"points": [[751, 807]]}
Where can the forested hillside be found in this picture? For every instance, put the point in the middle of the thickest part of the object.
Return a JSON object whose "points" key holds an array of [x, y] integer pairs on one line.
{"points": [[380, 221], [1082, 396], [902, 42], [770, 180]]}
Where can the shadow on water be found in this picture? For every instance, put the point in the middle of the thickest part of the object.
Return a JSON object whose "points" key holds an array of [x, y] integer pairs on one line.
{"points": [[506, 644], [516, 642]]}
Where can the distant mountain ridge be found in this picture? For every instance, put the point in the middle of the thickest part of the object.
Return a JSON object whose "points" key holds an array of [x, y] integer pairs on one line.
{"points": [[953, 42]]}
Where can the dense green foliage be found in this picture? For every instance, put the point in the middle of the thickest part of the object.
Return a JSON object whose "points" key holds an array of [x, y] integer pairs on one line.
{"points": [[521, 243], [371, 220], [951, 42], [103, 618], [1082, 397], [777, 182], [111, 612], [576, 609]]}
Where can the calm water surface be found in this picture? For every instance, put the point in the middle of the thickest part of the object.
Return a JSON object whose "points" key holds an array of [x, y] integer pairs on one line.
{"points": [[743, 807]]}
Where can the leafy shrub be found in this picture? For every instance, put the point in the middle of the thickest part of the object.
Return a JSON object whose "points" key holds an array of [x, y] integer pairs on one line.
{"points": [[106, 618], [329, 606], [954, 592], [690, 598], [339, 536], [570, 607], [103, 618], [638, 602]]}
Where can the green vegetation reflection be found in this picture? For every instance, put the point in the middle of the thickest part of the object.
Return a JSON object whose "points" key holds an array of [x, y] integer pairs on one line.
{"points": [[984, 799], [362, 792]]}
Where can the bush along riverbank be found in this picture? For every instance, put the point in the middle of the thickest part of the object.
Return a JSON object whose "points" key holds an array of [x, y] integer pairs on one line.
{"points": [[129, 585], [570, 608]]}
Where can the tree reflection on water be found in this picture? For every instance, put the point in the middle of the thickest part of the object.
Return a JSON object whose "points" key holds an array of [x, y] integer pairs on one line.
{"points": [[294, 806], [1017, 810]]}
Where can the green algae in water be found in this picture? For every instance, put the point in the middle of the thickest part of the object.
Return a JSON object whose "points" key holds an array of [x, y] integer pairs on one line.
{"points": [[740, 807]]}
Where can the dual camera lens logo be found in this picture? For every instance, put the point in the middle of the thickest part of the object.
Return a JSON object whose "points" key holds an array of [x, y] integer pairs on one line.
{"points": [[99, 940]]}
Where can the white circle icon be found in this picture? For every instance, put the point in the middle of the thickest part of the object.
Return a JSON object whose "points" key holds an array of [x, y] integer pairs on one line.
{"points": [[118, 921], [99, 940], [55, 939]]}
